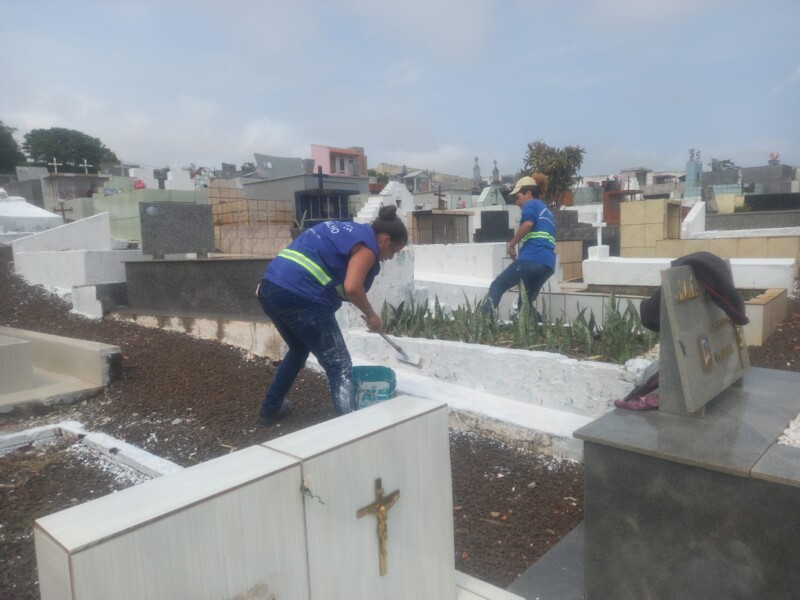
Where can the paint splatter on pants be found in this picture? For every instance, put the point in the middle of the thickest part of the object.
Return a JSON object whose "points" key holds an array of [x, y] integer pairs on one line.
{"points": [[306, 327]]}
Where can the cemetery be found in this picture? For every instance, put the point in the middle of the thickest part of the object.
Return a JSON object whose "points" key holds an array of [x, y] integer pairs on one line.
{"points": [[416, 532]]}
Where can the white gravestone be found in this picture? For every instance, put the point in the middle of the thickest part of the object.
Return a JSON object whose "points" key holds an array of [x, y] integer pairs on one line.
{"points": [[405, 444], [301, 517]]}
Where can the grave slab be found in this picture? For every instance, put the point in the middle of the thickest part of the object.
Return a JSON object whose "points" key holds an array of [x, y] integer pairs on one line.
{"points": [[678, 507]]}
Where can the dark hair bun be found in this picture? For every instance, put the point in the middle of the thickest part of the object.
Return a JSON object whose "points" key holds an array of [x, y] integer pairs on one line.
{"points": [[388, 213]]}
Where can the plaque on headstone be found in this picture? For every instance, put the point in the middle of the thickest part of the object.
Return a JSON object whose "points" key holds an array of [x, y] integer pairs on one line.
{"points": [[176, 228], [703, 352]]}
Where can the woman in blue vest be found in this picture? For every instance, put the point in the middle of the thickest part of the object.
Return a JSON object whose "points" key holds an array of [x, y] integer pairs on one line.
{"points": [[305, 285], [537, 235]]}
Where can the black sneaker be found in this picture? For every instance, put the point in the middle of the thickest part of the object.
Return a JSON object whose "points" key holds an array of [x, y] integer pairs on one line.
{"points": [[266, 419]]}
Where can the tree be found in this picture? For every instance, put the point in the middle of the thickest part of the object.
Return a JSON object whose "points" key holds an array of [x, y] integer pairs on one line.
{"points": [[561, 165], [67, 146], [10, 154], [723, 165]]}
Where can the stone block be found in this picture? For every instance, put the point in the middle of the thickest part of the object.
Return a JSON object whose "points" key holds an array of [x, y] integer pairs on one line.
{"points": [[654, 212], [752, 248], [632, 213], [653, 233], [723, 247], [783, 247], [632, 235], [16, 365]]}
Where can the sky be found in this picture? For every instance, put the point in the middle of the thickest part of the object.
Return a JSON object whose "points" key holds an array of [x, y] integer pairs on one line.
{"points": [[426, 83]]}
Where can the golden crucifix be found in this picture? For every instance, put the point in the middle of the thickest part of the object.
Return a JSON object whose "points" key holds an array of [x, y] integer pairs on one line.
{"points": [[380, 508]]}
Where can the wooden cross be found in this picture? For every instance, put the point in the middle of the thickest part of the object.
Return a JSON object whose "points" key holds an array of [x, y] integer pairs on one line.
{"points": [[62, 210], [55, 165], [380, 508], [85, 166]]}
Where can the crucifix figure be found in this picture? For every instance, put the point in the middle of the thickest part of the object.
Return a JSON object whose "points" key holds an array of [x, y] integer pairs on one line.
{"points": [[85, 166], [55, 164], [380, 508]]}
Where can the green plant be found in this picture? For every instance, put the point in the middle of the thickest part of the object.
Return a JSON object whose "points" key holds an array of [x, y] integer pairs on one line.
{"points": [[299, 225], [621, 338]]}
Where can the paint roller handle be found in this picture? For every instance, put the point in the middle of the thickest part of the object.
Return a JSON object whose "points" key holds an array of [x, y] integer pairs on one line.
{"points": [[385, 337]]}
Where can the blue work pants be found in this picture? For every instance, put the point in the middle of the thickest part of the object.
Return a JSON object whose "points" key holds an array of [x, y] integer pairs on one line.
{"points": [[306, 327]]}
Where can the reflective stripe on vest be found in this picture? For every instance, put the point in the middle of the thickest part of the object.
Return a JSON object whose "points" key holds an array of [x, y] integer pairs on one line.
{"points": [[539, 235], [309, 265]]}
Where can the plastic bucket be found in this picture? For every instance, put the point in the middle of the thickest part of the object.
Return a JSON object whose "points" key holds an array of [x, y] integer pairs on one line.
{"points": [[373, 384]]}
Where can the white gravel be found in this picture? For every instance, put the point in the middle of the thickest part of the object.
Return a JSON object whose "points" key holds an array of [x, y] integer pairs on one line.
{"points": [[791, 436]]}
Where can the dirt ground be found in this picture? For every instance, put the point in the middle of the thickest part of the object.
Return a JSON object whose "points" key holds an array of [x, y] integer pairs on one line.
{"points": [[191, 400]]}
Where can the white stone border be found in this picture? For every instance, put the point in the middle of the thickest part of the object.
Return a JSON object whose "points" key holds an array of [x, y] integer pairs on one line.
{"points": [[103, 444]]}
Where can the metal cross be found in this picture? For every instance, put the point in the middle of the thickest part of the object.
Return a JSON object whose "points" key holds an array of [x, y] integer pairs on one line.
{"points": [[380, 508], [85, 166], [55, 165]]}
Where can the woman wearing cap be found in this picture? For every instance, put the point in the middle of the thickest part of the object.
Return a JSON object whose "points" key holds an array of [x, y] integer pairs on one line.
{"points": [[536, 234], [305, 285]]}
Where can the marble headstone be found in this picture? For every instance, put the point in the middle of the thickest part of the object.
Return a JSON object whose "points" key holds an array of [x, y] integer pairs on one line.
{"points": [[703, 352], [356, 508]]}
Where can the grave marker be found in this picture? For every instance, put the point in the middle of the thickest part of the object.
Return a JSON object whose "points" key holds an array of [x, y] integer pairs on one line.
{"points": [[702, 351], [281, 520]]}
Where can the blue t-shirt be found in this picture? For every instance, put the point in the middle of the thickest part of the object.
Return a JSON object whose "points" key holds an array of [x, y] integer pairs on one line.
{"points": [[315, 264], [539, 245]]}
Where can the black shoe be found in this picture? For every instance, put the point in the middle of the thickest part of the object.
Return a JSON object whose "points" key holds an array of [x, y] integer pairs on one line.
{"points": [[266, 418]]}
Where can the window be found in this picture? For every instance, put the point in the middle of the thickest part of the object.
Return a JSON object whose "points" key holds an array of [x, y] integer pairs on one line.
{"points": [[341, 165]]}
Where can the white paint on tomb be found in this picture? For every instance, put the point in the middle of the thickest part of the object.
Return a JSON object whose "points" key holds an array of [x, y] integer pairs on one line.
{"points": [[221, 529], [19, 216], [76, 254], [241, 526], [758, 273]]}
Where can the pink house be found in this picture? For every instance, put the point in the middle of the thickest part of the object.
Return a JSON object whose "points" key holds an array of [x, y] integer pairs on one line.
{"points": [[350, 162]]}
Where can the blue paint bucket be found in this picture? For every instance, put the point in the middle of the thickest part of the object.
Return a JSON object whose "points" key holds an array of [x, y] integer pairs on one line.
{"points": [[373, 384]]}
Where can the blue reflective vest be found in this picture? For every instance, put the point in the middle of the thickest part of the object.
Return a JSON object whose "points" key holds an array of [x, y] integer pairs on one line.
{"points": [[539, 244], [315, 264]]}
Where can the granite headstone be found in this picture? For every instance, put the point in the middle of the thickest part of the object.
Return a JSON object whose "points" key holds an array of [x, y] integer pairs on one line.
{"points": [[702, 351], [176, 228]]}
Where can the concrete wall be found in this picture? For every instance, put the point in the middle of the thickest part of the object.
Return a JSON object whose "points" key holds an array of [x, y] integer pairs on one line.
{"points": [[759, 273], [222, 287], [93, 233], [539, 378], [82, 359], [73, 268]]}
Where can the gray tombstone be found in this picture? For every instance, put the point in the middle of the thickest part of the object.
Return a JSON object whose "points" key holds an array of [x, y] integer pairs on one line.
{"points": [[176, 228], [703, 352]]}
